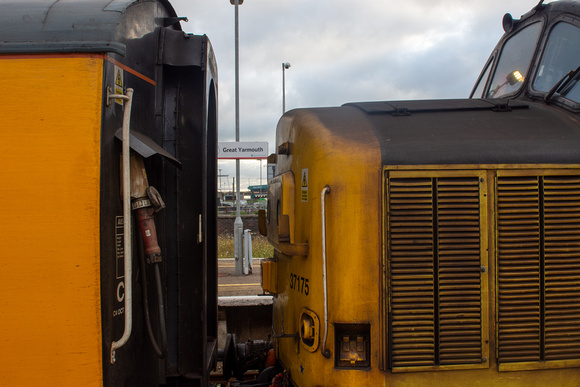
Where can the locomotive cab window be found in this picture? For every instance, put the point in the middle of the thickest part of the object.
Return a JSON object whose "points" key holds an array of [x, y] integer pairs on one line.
{"points": [[562, 54], [480, 87], [514, 62]]}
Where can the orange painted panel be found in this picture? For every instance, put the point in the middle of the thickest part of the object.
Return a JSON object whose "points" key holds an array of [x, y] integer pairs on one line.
{"points": [[50, 127]]}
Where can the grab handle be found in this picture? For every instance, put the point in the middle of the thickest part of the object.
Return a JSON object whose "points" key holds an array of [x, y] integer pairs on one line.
{"points": [[127, 240], [325, 190]]}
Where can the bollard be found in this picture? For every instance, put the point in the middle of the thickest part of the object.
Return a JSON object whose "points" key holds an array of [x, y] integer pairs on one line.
{"points": [[248, 265], [238, 245]]}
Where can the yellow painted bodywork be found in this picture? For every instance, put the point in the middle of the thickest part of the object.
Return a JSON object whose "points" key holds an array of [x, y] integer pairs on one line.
{"points": [[352, 238], [269, 276], [50, 309], [348, 160]]}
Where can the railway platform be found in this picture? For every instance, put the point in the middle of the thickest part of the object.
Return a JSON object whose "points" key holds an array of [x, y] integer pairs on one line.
{"points": [[243, 308]]}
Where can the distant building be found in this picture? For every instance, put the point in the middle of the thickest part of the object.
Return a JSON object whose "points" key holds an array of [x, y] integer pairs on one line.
{"points": [[258, 191], [229, 198]]}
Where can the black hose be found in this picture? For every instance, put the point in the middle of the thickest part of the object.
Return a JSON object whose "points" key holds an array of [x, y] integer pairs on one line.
{"points": [[161, 353], [161, 311]]}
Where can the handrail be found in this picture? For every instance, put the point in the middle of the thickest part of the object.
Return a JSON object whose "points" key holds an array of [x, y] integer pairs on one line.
{"points": [[325, 352], [127, 240]]}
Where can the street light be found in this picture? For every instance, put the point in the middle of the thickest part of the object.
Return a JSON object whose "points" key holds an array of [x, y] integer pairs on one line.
{"points": [[285, 66], [238, 224]]}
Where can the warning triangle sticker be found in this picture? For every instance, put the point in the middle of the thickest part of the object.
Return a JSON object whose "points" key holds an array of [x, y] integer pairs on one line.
{"points": [[119, 79]]}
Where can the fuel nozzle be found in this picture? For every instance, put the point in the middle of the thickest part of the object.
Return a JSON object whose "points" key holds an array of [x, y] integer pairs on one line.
{"points": [[145, 201]]}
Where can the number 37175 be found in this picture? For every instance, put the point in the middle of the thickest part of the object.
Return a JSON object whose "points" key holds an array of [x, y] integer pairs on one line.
{"points": [[299, 283]]}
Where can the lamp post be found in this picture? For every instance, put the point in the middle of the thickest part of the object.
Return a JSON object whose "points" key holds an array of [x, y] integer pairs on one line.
{"points": [[285, 66], [238, 224]]}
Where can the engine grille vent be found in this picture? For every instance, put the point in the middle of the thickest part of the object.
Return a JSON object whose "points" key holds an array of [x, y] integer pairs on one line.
{"points": [[434, 262], [538, 248], [436, 233], [518, 246]]}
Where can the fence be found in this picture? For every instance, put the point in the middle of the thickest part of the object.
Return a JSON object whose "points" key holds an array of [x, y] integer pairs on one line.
{"points": [[225, 223]]}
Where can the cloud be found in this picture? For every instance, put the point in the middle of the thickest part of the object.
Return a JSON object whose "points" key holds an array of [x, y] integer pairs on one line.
{"points": [[342, 51]]}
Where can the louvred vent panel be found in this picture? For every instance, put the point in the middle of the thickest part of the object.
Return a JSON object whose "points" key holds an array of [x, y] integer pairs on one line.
{"points": [[562, 267], [434, 262], [518, 247], [538, 268]]}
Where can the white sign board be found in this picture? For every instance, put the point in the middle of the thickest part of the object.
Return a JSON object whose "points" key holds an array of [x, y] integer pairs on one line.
{"points": [[243, 150]]}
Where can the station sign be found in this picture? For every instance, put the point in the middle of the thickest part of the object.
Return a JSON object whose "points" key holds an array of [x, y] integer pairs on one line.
{"points": [[243, 150]]}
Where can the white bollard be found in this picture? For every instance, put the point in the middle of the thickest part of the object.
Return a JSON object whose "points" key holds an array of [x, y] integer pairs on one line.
{"points": [[238, 245], [248, 266]]}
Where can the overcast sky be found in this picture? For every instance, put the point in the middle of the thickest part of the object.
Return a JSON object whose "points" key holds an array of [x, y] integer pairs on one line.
{"points": [[340, 51]]}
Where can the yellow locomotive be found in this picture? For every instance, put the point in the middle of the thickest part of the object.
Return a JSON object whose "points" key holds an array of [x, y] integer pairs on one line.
{"points": [[92, 91], [436, 242]]}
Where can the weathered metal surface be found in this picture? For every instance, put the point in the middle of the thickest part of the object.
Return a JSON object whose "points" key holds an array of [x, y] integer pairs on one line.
{"points": [[451, 234]]}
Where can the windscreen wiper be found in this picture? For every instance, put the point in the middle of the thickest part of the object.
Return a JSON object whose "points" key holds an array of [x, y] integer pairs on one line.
{"points": [[561, 84]]}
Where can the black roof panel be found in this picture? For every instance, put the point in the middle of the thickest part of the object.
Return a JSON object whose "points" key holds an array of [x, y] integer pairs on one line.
{"points": [[36, 26]]}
